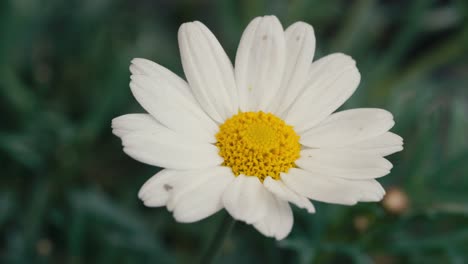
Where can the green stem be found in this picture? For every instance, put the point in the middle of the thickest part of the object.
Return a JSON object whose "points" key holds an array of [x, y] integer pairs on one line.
{"points": [[218, 240]]}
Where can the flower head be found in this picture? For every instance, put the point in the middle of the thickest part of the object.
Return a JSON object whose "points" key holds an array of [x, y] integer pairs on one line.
{"points": [[258, 136]]}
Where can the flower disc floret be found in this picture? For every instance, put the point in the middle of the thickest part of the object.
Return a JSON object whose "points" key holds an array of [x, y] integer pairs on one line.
{"points": [[258, 144]]}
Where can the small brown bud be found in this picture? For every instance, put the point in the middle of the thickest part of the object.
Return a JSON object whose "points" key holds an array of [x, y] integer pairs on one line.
{"points": [[361, 223], [396, 201], [44, 247]]}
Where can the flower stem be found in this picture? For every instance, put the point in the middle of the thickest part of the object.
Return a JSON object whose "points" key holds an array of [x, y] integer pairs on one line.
{"points": [[218, 240]]}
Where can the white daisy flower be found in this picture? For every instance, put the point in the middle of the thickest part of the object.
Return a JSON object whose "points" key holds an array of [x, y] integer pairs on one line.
{"points": [[258, 136]]}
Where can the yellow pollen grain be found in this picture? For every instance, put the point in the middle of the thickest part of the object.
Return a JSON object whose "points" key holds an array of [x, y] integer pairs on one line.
{"points": [[258, 144]]}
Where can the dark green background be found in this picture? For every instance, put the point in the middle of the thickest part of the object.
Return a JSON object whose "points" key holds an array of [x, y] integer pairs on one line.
{"points": [[68, 193]]}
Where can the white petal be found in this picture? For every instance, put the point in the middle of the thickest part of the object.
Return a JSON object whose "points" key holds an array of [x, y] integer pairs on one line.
{"points": [[278, 220], [129, 123], [383, 145], [156, 191], [168, 150], [278, 188], [245, 199], [344, 163], [157, 72], [260, 62], [332, 80], [347, 127], [172, 108], [201, 194], [332, 189], [300, 49], [208, 70]]}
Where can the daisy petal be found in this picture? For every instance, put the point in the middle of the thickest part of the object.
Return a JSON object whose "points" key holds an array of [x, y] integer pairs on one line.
{"points": [[169, 150], [208, 70], [284, 193], [300, 49], [332, 80], [129, 123], [157, 72], [156, 191], [344, 163], [278, 220], [329, 189], [348, 127], [201, 194], [260, 63], [383, 145], [172, 108], [245, 199]]}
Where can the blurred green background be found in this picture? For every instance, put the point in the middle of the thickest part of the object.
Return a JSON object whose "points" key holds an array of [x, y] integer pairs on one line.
{"points": [[68, 193]]}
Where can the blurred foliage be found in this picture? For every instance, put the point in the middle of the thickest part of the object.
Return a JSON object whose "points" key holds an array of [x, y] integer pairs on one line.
{"points": [[68, 192]]}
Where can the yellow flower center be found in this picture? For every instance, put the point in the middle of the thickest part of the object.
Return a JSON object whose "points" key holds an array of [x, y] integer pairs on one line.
{"points": [[258, 144]]}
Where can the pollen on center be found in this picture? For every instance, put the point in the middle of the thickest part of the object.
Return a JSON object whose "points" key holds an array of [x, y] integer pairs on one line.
{"points": [[258, 144]]}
